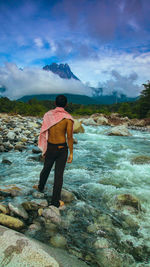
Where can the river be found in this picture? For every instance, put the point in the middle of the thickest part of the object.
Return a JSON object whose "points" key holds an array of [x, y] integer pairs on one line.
{"points": [[102, 168]]}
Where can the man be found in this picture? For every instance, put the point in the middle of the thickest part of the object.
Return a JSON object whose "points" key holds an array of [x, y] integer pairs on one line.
{"points": [[52, 140]]}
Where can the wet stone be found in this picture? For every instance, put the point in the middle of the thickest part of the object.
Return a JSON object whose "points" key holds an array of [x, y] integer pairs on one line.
{"points": [[6, 161], [18, 210]]}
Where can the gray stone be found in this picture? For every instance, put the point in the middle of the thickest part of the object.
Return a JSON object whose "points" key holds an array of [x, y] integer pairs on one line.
{"points": [[58, 241], [6, 161], [18, 209], [52, 213], [119, 131], [11, 135], [108, 257], [67, 196]]}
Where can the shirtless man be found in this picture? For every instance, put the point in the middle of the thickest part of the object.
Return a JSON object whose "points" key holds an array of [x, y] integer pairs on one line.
{"points": [[57, 151]]}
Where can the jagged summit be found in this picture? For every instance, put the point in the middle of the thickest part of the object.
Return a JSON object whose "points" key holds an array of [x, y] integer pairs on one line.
{"points": [[63, 70]]}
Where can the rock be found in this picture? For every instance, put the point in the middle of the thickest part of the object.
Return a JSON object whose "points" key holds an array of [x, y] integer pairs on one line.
{"points": [[40, 211], [35, 204], [77, 127], [6, 161], [89, 121], [92, 228], [141, 160], [67, 196], [34, 226], [11, 135], [4, 209], [18, 209], [51, 228], [75, 141], [19, 147], [52, 213], [119, 131], [36, 151], [12, 190], [11, 222], [36, 158], [136, 122], [108, 257], [2, 148], [18, 250], [101, 243], [127, 199], [29, 205], [38, 195], [102, 121], [58, 241]]}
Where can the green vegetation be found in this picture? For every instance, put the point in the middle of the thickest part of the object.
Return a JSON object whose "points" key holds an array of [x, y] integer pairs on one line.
{"points": [[137, 109]]}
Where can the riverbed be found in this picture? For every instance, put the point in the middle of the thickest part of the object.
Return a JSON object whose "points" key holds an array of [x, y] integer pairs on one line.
{"points": [[101, 170]]}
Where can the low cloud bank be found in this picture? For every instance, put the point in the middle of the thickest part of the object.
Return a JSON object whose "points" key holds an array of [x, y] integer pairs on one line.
{"points": [[120, 84], [30, 81]]}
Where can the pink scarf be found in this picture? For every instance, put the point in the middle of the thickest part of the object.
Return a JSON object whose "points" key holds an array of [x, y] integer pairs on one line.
{"points": [[51, 118]]}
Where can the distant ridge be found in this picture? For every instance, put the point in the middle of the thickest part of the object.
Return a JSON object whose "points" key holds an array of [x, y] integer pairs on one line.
{"points": [[63, 70], [72, 98], [81, 99]]}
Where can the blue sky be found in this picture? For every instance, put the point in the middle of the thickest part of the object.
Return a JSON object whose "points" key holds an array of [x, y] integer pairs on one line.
{"points": [[106, 43]]}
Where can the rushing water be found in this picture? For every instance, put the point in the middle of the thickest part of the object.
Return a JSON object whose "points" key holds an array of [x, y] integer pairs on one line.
{"points": [[101, 169]]}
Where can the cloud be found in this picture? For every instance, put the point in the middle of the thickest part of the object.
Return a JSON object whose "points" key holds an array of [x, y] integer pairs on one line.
{"points": [[101, 69], [121, 84], [38, 42], [36, 81]]}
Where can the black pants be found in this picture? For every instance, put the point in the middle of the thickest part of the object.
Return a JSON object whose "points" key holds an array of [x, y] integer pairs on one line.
{"points": [[59, 156]]}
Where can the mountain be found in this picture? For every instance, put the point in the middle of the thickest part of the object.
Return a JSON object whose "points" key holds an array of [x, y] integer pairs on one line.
{"points": [[63, 70], [81, 99], [72, 98]]}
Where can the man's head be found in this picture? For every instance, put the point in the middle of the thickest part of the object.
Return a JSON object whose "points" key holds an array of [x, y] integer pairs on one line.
{"points": [[61, 101]]}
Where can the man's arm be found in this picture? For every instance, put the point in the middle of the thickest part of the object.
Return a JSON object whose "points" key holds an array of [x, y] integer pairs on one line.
{"points": [[70, 139]]}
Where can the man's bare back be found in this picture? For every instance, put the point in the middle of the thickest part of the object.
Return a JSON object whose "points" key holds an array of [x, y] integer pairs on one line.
{"points": [[57, 135]]}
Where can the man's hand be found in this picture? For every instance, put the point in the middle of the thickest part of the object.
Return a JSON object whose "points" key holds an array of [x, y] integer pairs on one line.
{"points": [[70, 158]]}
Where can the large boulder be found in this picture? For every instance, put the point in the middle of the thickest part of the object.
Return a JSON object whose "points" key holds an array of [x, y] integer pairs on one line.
{"points": [[119, 131], [77, 127], [18, 250]]}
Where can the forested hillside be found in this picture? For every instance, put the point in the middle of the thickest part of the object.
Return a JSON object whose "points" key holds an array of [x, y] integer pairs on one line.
{"points": [[137, 109]]}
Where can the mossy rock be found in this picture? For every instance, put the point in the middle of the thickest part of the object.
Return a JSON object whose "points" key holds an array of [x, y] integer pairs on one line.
{"points": [[141, 160], [128, 200], [11, 222]]}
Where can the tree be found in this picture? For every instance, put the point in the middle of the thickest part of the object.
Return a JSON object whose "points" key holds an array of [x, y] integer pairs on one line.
{"points": [[144, 101]]}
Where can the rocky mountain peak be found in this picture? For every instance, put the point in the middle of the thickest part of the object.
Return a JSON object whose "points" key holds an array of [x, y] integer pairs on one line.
{"points": [[63, 70]]}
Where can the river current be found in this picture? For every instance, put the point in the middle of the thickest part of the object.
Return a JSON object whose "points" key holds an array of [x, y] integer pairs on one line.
{"points": [[101, 169]]}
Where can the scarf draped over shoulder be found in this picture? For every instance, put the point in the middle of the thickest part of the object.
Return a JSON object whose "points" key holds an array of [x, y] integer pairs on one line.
{"points": [[51, 118]]}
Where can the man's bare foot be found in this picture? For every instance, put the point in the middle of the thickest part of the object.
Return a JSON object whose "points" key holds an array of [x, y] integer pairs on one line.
{"points": [[61, 203], [35, 186]]}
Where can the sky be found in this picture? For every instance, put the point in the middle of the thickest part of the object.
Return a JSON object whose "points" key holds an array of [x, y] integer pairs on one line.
{"points": [[106, 44]]}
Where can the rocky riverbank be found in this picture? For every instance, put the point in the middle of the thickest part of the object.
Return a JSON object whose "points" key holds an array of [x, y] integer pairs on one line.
{"points": [[16, 132]]}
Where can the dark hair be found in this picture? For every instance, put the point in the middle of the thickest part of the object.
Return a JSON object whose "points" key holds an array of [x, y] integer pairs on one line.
{"points": [[61, 101]]}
